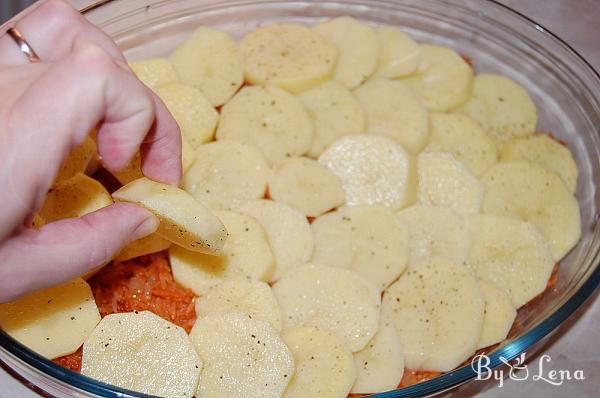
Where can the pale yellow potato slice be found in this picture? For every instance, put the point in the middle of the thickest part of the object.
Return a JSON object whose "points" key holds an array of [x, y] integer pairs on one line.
{"points": [[54, 321], [183, 220], [501, 107], [358, 49], [399, 55], [243, 295], [290, 56], [193, 112], [498, 317], [333, 299], [246, 252], [526, 190], [335, 112], [324, 366], [288, 233], [370, 240], [154, 72], [152, 243], [443, 80], [210, 60], [512, 254], [144, 353], [307, 186], [437, 309], [226, 174], [78, 160], [243, 357], [393, 109], [374, 169], [269, 118]]}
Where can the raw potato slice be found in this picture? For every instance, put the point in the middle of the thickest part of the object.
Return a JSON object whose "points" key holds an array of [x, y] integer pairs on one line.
{"points": [[183, 220], [380, 365], [437, 310], [511, 254], [498, 317], [52, 322], [246, 252], [335, 113], [370, 240], [394, 110], [435, 232], [358, 48], [144, 353], [152, 243], [268, 118], [527, 191], [78, 160], [324, 366], [446, 182], [545, 151], [501, 107], [290, 56], [374, 169], [288, 233], [195, 115], [307, 186], [242, 357], [154, 72], [461, 136], [244, 295], [443, 80], [333, 299], [75, 197], [209, 59], [227, 174], [399, 55]]}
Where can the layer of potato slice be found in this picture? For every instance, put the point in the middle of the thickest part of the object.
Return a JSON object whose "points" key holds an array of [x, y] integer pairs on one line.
{"points": [[498, 317], [226, 174], [374, 169], [370, 240], [242, 357], [54, 321], [152, 243], [437, 309], [144, 353], [333, 299], [154, 72], [290, 56], [399, 55], [358, 49], [288, 233], [183, 220], [78, 160], [394, 110], [269, 118], [324, 366]]}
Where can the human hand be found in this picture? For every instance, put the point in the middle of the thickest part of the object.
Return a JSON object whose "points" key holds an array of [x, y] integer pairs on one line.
{"points": [[47, 109]]}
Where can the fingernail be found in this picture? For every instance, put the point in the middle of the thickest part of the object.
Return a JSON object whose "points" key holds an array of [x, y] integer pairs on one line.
{"points": [[145, 228]]}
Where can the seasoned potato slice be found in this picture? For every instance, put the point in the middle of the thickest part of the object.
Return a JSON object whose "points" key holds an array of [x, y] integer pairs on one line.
{"points": [[149, 244], [54, 321], [498, 317], [78, 160], [154, 72], [399, 55], [183, 220]]}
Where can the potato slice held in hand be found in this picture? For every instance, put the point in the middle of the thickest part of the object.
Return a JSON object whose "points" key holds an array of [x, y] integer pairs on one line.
{"points": [[183, 220], [152, 243], [54, 321], [154, 72], [78, 160], [498, 317], [142, 352], [399, 55]]}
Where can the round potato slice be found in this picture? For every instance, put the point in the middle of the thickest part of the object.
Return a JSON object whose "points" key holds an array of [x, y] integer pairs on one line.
{"points": [[307, 186], [149, 244], [370, 240], [394, 110], [290, 56], [244, 295], [242, 357], [288, 233], [333, 299], [210, 60], [498, 317], [399, 55], [335, 113], [324, 366], [374, 169], [270, 119], [226, 174], [144, 353], [78, 160], [437, 310], [443, 80], [154, 72]]}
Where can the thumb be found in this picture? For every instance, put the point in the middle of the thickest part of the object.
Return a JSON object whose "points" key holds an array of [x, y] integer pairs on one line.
{"points": [[68, 248]]}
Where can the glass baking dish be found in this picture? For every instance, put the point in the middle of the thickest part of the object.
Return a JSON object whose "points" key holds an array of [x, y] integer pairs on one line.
{"points": [[565, 88]]}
